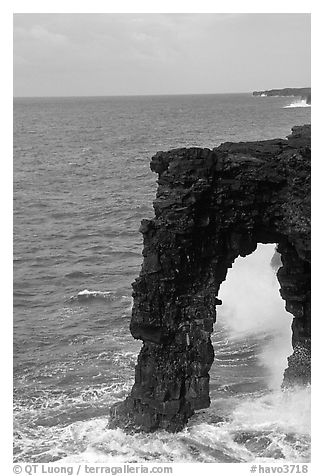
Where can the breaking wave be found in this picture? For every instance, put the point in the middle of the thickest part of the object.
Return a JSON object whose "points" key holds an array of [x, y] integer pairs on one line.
{"points": [[86, 295], [260, 428], [300, 103], [90, 296]]}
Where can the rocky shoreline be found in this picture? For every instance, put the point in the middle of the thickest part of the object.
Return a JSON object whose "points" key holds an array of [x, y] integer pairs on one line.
{"points": [[303, 93]]}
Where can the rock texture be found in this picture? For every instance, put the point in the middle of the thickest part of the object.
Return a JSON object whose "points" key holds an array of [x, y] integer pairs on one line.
{"points": [[303, 93], [212, 206]]}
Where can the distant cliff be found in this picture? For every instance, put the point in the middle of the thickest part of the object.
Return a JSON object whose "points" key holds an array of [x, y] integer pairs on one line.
{"points": [[303, 93]]}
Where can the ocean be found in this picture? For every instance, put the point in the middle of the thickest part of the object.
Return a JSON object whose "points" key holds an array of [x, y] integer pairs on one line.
{"points": [[82, 184]]}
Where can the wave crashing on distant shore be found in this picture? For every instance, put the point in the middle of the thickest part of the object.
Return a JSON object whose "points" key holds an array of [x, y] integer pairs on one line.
{"points": [[299, 103]]}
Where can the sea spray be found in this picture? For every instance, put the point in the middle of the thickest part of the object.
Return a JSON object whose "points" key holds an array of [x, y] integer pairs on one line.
{"points": [[262, 428], [300, 103], [252, 306]]}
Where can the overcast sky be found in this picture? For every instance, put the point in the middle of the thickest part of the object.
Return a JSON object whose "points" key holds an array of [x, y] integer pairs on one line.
{"points": [[116, 54]]}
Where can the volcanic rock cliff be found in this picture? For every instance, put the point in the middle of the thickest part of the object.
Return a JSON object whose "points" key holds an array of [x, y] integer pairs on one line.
{"points": [[211, 207], [303, 93]]}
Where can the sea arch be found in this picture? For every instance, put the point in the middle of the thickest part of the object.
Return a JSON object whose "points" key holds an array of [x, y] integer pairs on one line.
{"points": [[211, 207]]}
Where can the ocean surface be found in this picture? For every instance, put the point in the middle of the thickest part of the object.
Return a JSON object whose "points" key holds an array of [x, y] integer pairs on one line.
{"points": [[82, 184]]}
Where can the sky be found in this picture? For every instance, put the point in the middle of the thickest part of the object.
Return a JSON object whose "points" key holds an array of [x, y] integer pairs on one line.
{"points": [[108, 54]]}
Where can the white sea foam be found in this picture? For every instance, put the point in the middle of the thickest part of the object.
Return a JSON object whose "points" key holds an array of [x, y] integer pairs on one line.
{"points": [[109, 296], [263, 428], [299, 103], [87, 295]]}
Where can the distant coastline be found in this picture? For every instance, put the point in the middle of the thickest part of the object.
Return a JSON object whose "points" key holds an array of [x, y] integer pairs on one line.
{"points": [[303, 93]]}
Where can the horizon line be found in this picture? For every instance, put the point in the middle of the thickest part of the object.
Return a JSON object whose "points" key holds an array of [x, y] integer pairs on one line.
{"points": [[128, 95], [150, 95]]}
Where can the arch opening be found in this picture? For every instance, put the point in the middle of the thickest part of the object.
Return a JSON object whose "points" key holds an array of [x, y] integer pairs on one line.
{"points": [[252, 335]]}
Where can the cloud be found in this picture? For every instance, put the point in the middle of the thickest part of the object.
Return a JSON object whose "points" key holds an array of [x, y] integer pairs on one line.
{"points": [[41, 34], [38, 33], [159, 53]]}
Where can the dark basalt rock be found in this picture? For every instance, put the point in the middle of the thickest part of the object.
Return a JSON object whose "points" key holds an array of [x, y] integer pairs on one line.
{"points": [[211, 207], [303, 93]]}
